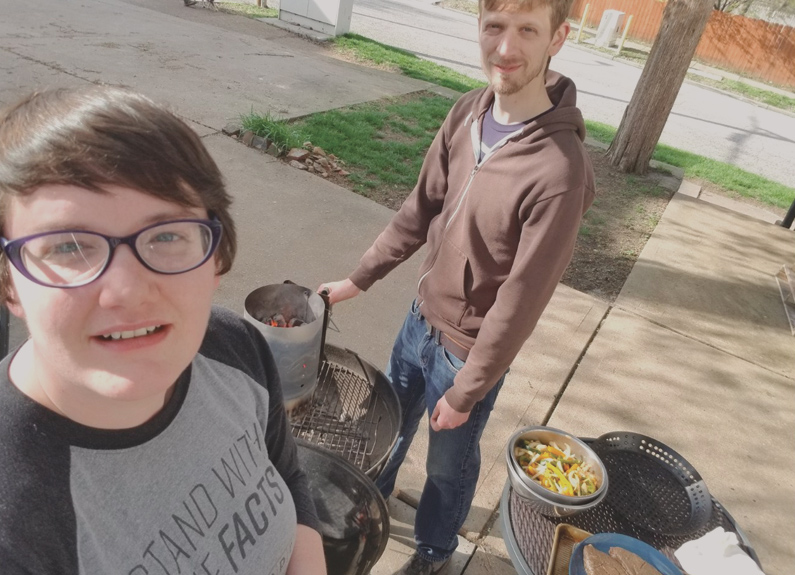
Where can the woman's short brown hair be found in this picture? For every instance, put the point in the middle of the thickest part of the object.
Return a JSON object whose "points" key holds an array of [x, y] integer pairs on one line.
{"points": [[99, 136], [558, 9]]}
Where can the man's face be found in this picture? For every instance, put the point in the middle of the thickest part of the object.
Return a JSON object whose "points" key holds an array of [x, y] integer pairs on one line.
{"points": [[515, 45], [71, 329]]}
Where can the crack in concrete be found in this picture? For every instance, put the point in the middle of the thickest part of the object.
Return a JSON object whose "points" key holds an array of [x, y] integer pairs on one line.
{"points": [[570, 376], [489, 525], [49, 65], [701, 341]]}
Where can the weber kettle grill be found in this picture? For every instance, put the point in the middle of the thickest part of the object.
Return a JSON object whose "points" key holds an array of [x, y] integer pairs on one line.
{"points": [[344, 415]]}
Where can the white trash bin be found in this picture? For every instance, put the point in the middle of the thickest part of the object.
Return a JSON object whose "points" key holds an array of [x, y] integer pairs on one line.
{"points": [[332, 17], [609, 28]]}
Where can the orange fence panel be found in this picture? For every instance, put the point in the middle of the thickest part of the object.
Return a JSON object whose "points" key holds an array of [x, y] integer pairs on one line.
{"points": [[647, 15], [753, 48]]}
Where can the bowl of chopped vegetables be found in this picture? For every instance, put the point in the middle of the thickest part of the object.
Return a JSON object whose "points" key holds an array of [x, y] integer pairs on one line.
{"points": [[542, 504], [556, 466]]}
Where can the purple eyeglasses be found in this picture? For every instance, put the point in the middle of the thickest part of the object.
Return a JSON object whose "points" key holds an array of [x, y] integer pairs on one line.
{"points": [[73, 258]]}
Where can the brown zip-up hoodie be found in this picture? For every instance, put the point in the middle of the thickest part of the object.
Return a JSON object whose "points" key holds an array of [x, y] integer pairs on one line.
{"points": [[500, 233]]}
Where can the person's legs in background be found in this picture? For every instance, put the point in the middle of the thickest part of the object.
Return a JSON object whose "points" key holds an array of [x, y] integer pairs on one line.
{"points": [[406, 376], [452, 465], [421, 370]]}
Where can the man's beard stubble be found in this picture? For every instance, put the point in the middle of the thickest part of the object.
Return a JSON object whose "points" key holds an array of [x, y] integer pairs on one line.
{"points": [[508, 87]]}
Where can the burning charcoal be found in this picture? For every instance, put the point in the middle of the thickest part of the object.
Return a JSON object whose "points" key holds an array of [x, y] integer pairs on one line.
{"points": [[295, 322], [277, 321]]}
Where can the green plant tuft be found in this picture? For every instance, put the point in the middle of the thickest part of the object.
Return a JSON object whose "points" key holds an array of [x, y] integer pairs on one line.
{"points": [[283, 135]]}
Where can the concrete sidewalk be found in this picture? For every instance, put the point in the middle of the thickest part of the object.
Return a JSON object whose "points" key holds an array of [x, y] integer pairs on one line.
{"points": [[695, 352]]}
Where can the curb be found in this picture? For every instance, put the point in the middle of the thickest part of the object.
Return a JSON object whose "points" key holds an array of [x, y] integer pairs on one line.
{"points": [[312, 35]]}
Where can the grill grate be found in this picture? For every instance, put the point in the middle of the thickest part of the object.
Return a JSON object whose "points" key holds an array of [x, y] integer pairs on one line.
{"points": [[342, 417]]}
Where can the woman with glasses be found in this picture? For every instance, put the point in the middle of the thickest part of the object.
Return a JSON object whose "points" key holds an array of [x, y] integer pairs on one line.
{"points": [[142, 431]]}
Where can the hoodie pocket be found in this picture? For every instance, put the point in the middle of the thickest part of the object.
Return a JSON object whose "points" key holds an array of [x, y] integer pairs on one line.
{"points": [[443, 287]]}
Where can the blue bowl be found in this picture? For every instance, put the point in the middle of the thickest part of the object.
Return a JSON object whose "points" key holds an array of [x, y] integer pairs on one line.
{"points": [[604, 541]]}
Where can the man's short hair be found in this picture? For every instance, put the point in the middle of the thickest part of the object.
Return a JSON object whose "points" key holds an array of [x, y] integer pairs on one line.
{"points": [[98, 136], [558, 9]]}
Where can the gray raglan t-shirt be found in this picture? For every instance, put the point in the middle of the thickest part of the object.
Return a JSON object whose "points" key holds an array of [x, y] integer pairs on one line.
{"points": [[210, 485]]}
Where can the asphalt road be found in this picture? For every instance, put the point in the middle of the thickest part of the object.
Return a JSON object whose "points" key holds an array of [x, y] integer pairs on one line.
{"points": [[703, 121]]}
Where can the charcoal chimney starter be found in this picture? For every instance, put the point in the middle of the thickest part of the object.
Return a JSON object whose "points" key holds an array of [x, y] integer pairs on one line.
{"points": [[296, 349]]}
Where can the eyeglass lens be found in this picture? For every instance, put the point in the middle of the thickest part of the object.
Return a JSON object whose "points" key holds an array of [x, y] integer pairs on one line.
{"points": [[70, 258]]}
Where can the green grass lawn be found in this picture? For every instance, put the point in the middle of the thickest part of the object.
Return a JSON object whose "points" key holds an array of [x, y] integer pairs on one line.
{"points": [[764, 96], [469, 6], [366, 50], [384, 142], [721, 174]]}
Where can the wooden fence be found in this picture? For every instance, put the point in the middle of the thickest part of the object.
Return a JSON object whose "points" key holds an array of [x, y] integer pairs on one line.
{"points": [[753, 48]]}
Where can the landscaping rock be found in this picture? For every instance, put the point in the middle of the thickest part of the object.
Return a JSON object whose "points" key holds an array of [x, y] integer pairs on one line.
{"points": [[273, 150], [247, 137], [260, 143], [232, 129], [315, 160], [297, 154]]}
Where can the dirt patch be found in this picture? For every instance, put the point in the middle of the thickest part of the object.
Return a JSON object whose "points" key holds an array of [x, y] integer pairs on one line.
{"points": [[624, 214]]}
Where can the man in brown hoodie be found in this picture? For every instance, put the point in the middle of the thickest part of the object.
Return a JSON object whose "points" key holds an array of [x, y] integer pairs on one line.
{"points": [[499, 202]]}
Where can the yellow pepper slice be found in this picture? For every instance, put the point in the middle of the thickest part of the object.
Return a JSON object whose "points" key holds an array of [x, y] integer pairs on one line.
{"points": [[564, 482]]}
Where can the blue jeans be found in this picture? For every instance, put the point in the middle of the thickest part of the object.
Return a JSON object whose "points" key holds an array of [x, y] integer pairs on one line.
{"points": [[420, 371]]}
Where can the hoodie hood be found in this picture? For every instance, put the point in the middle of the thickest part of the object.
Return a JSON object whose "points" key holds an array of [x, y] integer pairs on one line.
{"points": [[566, 116]]}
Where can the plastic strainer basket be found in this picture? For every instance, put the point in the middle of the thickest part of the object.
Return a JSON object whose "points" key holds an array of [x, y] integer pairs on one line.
{"points": [[653, 486]]}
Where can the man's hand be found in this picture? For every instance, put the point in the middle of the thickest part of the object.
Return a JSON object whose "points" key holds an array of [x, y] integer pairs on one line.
{"points": [[340, 291], [445, 417]]}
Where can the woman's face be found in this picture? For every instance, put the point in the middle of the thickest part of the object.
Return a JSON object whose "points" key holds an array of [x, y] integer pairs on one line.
{"points": [[75, 358]]}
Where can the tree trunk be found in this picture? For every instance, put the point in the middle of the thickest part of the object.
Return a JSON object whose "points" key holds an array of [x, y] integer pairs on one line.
{"points": [[644, 118]]}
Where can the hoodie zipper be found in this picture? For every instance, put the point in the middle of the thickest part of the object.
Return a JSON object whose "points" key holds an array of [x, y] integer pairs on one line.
{"points": [[447, 225], [475, 136]]}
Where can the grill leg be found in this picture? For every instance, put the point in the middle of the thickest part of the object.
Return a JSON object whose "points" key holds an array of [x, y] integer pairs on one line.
{"points": [[3, 331], [788, 219]]}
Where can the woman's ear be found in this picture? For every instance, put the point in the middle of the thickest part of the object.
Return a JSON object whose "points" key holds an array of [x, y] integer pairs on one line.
{"points": [[12, 303]]}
